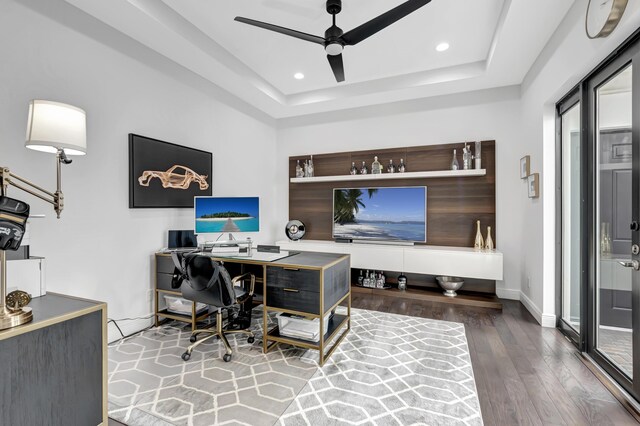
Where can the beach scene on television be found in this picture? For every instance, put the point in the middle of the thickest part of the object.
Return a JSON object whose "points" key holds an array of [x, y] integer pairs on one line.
{"points": [[233, 214], [396, 214]]}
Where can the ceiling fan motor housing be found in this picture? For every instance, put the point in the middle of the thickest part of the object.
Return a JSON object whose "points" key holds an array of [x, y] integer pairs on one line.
{"points": [[334, 6]]}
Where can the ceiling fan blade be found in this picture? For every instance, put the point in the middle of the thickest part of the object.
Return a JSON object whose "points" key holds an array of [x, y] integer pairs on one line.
{"points": [[337, 66], [381, 22], [282, 30]]}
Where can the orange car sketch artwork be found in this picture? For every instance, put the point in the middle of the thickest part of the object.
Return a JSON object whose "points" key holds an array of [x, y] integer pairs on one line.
{"points": [[176, 177]]}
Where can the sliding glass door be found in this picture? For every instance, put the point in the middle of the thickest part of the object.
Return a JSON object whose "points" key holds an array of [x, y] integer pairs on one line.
{"points": [[570, 218], [598, 219], [613, 153]]}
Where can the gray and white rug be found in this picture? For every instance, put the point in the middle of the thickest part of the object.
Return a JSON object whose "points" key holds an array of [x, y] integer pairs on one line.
{"points": [[390, 370]]}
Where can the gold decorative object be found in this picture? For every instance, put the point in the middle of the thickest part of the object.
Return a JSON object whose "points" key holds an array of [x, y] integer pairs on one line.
{"points": [[489, 241], [479, 243], [17, 300], [174, 180]]}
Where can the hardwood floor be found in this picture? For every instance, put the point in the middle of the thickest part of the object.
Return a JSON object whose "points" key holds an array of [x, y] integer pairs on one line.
{"points": [[525, 374]]}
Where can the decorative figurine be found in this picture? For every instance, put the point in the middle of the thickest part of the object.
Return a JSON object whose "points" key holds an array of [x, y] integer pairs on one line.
{"points": [[488, 244], [479, 243]]}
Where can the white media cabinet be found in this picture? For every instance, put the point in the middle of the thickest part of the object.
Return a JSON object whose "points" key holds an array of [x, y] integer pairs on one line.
{"points": [[431, 260], [419, 259]]}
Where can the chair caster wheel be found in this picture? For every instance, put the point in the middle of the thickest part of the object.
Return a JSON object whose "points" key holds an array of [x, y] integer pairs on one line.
{"points": [[186, 356], [226, 357], [251, 339], [193, 338]]}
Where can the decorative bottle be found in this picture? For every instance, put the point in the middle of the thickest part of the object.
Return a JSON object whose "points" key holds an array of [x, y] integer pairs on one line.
{"points": [[477, 155], [454, 163], [466, 158], [364, 170], [367, 281], [360, 278], [384, 279], [353, 170], [488, 245], [299, 171], [402, 167], [479, 243], [391, 168], [311, 171], [376, 167], [402, 282], [305, 172]]}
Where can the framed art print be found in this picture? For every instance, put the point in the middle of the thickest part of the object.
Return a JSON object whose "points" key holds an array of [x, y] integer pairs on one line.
{"points": [[166, 175], [533, 185], [525, 167]]}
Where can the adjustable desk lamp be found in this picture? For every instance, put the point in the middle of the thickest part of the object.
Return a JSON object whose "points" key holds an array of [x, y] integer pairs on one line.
{"points": [[59, 129]]}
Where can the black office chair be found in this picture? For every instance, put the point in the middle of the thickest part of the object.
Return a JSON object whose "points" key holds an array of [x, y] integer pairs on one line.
{"points": [[206, 281]]}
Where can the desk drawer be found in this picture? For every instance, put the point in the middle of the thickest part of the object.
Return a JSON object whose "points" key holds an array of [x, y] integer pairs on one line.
{"points": [[164, 282], [164, 264], [292, 299], [298, 279]]}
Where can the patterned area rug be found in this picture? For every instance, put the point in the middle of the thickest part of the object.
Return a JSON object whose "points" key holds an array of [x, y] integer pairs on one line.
{"points": [[390, 370]]}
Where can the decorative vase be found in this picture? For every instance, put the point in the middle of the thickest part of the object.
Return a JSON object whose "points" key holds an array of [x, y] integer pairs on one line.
{"points": [[489, 242], [479, 243]]}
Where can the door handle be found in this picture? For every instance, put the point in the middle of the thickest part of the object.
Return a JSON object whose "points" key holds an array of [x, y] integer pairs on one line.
{"points": [[291, 290], [631, 264]]}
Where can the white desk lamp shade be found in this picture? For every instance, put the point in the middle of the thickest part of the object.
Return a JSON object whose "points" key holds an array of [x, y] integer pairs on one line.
{"points": [[54, 125]]}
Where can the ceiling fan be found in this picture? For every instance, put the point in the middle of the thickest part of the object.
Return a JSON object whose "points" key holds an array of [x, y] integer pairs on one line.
{"points": [[335, 39]]}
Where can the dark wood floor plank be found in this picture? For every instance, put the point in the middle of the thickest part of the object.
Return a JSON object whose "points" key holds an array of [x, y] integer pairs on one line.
{"points": [[482, 380], [503, 408], [563, 403], [525, 410]]}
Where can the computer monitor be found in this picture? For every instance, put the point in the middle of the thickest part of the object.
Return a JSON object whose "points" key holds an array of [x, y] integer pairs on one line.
{"points": [[226, 214], [182, 239]]}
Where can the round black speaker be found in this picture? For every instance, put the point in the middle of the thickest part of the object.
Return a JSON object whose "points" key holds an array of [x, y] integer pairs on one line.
{"points": [[295, 230]]}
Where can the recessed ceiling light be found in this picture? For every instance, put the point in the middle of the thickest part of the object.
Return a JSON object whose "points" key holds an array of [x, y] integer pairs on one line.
{"points": [[442, 47], [298, 76]]}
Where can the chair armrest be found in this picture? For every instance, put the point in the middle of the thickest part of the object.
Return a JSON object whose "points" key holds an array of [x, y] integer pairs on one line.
{"points": [[243, 277]]}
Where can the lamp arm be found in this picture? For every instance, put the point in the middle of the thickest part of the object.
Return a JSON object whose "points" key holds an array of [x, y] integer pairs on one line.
{"points": [[7, 178]]}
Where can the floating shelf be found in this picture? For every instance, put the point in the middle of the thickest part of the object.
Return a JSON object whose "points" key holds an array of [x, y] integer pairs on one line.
{"points": [[388, 176]]}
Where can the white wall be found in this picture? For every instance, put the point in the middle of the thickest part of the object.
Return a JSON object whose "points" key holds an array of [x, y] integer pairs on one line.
{"points": [[568, 57], [485, 115], [101, 249]]}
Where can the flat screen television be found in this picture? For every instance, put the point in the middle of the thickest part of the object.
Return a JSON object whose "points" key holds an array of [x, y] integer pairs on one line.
{"points": [[382, 214], [226, 214]]}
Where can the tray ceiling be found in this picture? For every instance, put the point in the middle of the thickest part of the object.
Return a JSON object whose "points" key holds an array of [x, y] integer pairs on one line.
{"points": [[492, 43]]}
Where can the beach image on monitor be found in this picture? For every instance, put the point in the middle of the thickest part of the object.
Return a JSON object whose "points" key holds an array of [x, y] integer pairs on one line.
{"points": [[233, 214], [396, 214]]}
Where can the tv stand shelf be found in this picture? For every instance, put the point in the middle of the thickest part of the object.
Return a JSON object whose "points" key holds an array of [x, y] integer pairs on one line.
{"points": [[467, 298], [389, 176]]}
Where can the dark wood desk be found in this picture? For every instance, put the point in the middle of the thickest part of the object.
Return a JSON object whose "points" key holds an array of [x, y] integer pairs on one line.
{"points": [[309, 284], [53, 370]]}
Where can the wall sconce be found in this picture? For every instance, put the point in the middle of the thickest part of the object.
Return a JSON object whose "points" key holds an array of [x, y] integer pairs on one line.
{"points": [[61, 130]]}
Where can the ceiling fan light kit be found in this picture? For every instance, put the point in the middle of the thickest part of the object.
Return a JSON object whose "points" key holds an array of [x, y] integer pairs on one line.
{"points": [[335, 39]]}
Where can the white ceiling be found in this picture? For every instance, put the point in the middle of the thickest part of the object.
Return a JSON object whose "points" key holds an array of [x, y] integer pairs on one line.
{"points": [[493, 43]]}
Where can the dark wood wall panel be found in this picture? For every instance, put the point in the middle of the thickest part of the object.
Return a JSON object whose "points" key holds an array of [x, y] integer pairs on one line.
{"points": [[453, 204]]}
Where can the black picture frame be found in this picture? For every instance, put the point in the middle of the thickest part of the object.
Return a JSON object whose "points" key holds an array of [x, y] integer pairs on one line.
{"points": [[160, 165]]}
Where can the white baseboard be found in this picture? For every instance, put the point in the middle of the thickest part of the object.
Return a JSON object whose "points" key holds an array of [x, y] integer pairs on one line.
{"points": [[508, 293], [545, 320]]}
